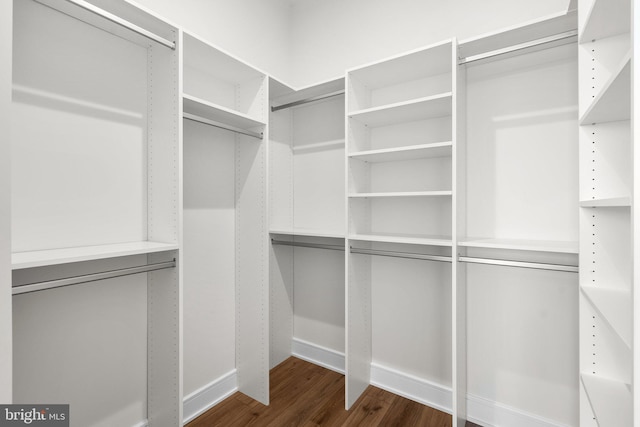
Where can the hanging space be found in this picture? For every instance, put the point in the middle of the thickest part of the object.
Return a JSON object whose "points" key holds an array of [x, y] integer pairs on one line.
{"points": [[225, 228], [401, 303], [306, 210], [95, 212], [518, 242]]}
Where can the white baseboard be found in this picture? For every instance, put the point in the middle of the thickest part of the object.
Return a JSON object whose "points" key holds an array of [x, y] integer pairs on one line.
{"points": [[203, 399], [481, 411], [318, 355], [411, 387]]}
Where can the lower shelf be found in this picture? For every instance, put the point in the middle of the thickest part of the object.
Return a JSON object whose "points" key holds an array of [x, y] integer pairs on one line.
{"points": [[43, 258], [610, 400]]}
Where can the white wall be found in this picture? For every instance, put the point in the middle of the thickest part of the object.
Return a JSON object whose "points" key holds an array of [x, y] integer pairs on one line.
{"points": [[256, 31], [330, 36], [6, 15]]}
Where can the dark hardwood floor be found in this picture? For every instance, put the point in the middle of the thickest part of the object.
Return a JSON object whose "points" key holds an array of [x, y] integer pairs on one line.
{"points": [[306, 395]]}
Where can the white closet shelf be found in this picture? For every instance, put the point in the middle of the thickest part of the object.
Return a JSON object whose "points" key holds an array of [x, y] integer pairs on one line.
{"points": [[305, 232], [615, 305], [521, 245], [422, 151], [127, 22], [218, 113], [425, 62], [610, 400], [606, 18], [611, 202], [428, 107], [412, 239], [613, 102], [43, 258], [401, 194]]}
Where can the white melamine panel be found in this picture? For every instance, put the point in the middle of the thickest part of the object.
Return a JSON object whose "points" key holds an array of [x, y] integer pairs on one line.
{"points": [[522, 331], [418, 216], [615, 307], [434, 106], [605, 162], [611, 401], [522, 147], [605, 254], [66, 189], [61, 358], [600, 19], [281, 289], [319, 307], [209, 258], [422, 151], [415, 175], [280, 171], [603, 66], [358, 326], [6, 26], [217, 113], [252, 269], [411, 317], [220, 79]]}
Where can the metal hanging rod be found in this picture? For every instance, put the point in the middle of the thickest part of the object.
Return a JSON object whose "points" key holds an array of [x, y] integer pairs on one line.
{"points": [[122, 22], [308, 245], [520, 264], [394, 254], [220, 125], [522, 46], [307, 100], [86, 278]]}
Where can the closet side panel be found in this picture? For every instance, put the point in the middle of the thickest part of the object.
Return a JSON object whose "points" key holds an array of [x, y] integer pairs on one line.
{"points": [[252, 265], [6, 25]]}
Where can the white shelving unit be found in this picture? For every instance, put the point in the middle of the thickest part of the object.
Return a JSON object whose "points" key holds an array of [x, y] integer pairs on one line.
{"points": [[606, 186], [402, 118], [225, 219], [307, 206], [95, 189]]}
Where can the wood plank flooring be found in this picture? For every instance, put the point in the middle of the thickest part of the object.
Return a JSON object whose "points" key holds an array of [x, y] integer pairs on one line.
{"points": [[306, 395]]}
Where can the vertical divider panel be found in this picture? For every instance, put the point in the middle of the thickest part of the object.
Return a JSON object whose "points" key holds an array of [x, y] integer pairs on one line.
{"points": [[635, 212], [458, 282], [358, 344], [6, 328], [252, 261], [164, 212]]}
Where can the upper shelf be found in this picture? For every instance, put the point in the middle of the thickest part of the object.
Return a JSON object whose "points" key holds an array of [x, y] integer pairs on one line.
{"points": [[43, 258], [614, 100], [606, 18], [612, 202], [421, 151], [306, 232], [521, 245], [218, 113], [411, 239], [408, 111], [121, 19], [429, 61]]}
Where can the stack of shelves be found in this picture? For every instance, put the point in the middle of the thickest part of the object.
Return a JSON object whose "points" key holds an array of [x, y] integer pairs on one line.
{"points": [[606, 185], [399, 155], [225, 105], [95, 191], [401, 143]]}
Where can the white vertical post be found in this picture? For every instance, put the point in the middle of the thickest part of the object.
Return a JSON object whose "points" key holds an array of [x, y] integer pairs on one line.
{"points": [[635, 213], [6, 329], [459, 294]]}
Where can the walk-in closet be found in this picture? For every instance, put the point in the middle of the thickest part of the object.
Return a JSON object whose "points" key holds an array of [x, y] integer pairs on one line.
{"points": [[302, 212]]}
